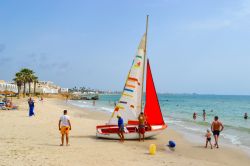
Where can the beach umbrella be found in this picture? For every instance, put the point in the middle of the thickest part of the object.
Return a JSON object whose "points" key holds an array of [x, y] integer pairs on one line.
{"points": [[1, 92], [7, 92]]}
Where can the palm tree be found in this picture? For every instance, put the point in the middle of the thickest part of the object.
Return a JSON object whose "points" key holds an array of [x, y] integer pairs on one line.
{"points": [[23, 77], [19, 81], [28, 76], [35, 80], [25, 73]]}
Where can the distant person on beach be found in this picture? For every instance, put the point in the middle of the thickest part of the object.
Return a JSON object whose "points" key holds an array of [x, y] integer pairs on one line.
{"points": [[67, 98], [41, 99], [216, 128], [194, 116], [120, 128], [141, 127], [93, 102], [31, 107], [64, 126], [245, 116], [208, 138], [204, 115]]}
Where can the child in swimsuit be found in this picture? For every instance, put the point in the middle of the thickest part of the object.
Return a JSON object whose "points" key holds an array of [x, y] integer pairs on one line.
{"points": [[208, 138]]}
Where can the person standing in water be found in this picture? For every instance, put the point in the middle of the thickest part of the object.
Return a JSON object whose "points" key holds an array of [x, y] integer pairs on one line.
{"points": [[204, 115], [31, 107], [216, 128], [194, 116], [141, 127], [245, 116], [64, 126], [120, 128]]}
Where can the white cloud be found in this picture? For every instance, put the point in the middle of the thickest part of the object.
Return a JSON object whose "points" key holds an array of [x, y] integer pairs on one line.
{"points": [[234, 16], [212, 24], [244, 10]]}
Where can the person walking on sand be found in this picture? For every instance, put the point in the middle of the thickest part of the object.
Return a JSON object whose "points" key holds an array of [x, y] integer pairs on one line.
{"points": [[208, 138], [216, 128], [120, 128], [204, 115], [41, 99], [64, 126], [31, 107], [141, 127]]}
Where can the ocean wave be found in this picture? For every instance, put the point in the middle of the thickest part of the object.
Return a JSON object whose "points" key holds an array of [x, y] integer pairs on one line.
{"points": [[81, 104], [107, 109], [193, 129], [187, 128], [173, 121], [238, 128], [233, 138], [207, 124], [84, 104]]}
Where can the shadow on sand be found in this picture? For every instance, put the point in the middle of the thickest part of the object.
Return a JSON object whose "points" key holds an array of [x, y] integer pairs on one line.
{"points": [[54, 145], [93, 137], [84, 136], [199, 146]]}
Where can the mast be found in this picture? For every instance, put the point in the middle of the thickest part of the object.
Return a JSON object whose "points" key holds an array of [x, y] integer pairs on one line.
{"points": [[144, 60]]}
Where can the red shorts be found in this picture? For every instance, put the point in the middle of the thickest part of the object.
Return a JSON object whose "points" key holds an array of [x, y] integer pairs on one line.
{"points": [[142, 129]]}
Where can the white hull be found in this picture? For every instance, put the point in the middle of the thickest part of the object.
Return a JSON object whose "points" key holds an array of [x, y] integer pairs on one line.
{"points": [[155, 130]]}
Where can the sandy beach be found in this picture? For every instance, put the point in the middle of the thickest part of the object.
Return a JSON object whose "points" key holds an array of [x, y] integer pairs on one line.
{"points": [[35, 141]]}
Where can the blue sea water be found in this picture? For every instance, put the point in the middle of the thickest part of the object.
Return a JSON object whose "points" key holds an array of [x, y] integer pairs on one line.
{"points": [[178, 110]]}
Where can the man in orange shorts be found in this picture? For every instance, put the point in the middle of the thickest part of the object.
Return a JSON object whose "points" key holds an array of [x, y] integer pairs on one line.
{"points": [[64, 126]]}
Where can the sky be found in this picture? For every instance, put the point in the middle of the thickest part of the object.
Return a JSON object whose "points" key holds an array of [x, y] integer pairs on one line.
{"points": [[194, 46]]}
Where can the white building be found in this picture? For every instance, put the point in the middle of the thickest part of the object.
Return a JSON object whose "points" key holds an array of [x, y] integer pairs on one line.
{"points": [[47, 87], [48, 90], [64, 90], [8, 86]]}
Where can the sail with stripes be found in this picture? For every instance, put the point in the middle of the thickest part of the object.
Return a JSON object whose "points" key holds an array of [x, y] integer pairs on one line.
{"points": [[129, 105]]}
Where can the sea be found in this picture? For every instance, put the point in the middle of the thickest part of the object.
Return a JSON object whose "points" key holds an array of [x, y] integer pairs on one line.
{"points": [[178, 109]]}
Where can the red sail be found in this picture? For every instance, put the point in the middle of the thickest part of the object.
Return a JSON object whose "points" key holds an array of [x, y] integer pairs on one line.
{"points": [[152, 108]]}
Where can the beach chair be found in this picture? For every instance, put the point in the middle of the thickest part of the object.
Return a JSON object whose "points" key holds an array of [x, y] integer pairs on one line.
{"points": [[2, 105]]}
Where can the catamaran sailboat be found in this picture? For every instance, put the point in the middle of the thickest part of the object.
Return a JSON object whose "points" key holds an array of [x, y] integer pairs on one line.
{"points": [[130, 104]]}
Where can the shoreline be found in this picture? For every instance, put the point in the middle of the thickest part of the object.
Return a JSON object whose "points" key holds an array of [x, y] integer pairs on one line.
{"points": [[197, 136], [182, 133], [35, 141]]}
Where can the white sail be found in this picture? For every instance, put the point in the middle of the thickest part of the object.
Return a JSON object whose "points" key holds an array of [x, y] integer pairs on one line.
{"points": [[129, 105]]}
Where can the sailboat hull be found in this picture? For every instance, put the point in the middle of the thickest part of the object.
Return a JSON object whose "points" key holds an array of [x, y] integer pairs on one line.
{"points": [[131, 131]]}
